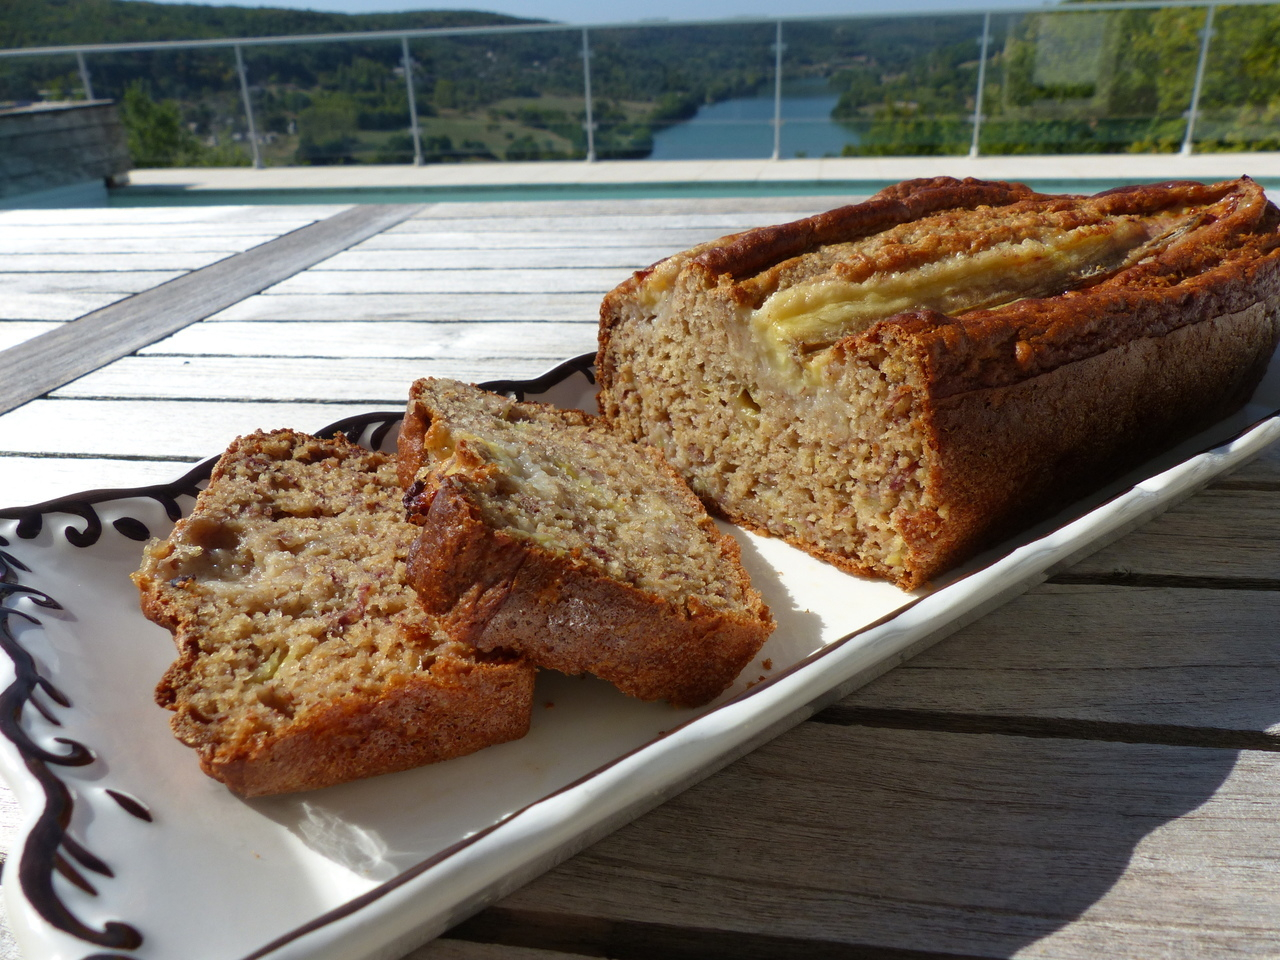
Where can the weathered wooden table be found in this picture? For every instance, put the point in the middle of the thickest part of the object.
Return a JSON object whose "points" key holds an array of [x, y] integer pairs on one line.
{"points": [[1091, 771]]}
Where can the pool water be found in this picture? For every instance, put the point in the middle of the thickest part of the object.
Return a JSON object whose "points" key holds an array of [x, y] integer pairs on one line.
{"points": [[175, 196]]}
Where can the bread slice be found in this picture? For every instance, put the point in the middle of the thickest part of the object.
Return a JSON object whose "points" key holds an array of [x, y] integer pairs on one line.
{"points": [[893, 385], [545, 534], [304, 656]]}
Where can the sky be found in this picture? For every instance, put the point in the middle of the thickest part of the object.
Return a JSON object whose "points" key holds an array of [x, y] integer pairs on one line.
{"points": [[613, 11]]}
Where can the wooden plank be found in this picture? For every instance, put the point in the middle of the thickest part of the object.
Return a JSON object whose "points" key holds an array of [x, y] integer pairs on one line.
{"points": [[338, 339], [947, 844], [713, 223], [64, 282], [27, 480], [229, 214], [44, 149], [1220, 535], [564, 280], [378, 380], [1188, 666], [1262, 473], [464, 950], [19, 242], [14, 332], [65, 262], [615, 258], [39, 365], [120, 231], [548, 305], [534, 239], [647, 206], [54, 305], [154, 429], [10, 820], [8, 945], [64, 217]]}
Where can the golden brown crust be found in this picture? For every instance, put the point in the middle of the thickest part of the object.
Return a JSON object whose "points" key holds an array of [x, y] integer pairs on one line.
{"points": [[409, 441], [749, 253], [460, 707], [1008, 456], [505, 592], [1005, 412], [1222, 267], [304, 658], [502, 594]]}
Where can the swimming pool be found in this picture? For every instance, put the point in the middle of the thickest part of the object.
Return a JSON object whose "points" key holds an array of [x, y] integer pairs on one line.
{"points": [[156, 196]]}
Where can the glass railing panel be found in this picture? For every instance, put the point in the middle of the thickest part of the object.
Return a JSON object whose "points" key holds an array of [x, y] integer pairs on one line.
{"points": [[505, 96], [1066, 79], [1091, 81], [25, 80], [682, 92], [181, 107], [905, 85], [1239, 107], [327, 104]]}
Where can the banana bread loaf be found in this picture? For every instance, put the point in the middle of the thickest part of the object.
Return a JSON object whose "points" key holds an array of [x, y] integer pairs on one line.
{"points": [[544, 534], [304, 656], [895, 384]]}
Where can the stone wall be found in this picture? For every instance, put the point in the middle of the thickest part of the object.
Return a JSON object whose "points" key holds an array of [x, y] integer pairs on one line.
{"points": [[48, 145]]}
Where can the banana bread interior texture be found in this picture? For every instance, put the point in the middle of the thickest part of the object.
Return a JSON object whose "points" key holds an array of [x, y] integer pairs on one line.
{"points": [[894, 384], [545, 533], [305, 657]]}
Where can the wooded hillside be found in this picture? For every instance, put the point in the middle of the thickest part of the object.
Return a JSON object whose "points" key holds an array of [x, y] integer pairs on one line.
{"points": [[1056, 81]]}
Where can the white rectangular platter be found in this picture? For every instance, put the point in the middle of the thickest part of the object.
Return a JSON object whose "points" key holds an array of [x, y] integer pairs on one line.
{"points": [[128, 851]]}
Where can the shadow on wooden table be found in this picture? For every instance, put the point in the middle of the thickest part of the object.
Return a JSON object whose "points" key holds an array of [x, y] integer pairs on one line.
{"points": [[835, 839], [1075, 766]]}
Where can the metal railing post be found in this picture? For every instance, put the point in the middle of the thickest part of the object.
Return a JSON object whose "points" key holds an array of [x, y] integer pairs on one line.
{"points": [[84, 75], [413, 104], [248, 109], [982, 82], [777, 93], [1205, 34], [590, 124]]}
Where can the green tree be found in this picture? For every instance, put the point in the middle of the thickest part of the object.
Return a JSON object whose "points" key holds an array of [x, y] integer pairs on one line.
{"points": [[327, 130], [445, 94], [156, 135]]}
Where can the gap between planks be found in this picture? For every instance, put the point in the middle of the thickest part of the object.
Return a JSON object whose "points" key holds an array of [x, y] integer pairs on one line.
{"points": [[51, 360], [1129, 578], [1047, 728], [507, 934]]}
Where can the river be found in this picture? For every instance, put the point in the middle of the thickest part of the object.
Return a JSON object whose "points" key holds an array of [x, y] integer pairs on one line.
{"points": [[742, 128]]}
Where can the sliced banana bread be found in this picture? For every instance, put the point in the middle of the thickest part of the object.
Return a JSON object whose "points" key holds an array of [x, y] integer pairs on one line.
{"points": [[304, 656], [545, 534], [894, 385]]}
